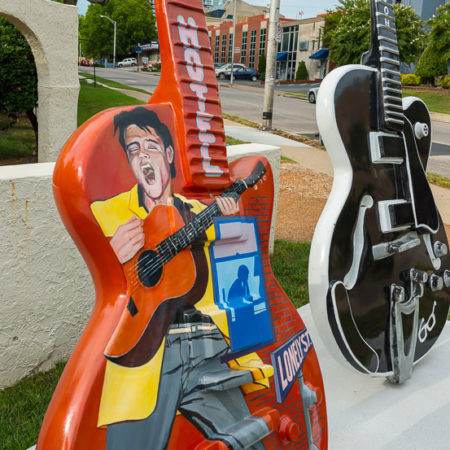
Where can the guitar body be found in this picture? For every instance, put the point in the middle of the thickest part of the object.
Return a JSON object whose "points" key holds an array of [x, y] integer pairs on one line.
{"points": [[379, 197], [173, 356], [163, 293]]}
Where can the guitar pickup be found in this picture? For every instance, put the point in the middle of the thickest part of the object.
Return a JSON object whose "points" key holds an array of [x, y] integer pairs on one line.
{"points": [[386, 148], [386, 249], [395, 215]]}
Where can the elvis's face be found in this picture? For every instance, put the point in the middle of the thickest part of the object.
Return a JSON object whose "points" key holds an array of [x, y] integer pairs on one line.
{"points": [[149, 160]]}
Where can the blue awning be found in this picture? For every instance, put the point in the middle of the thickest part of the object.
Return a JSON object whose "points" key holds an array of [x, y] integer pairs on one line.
{"points": [[282, 56], [321, 54]]}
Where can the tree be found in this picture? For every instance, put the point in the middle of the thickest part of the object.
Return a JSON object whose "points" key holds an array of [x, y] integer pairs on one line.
{"points": [[135, 24], [302, 73], [18, 78], [347, 32], [262, 66], [431, 65], [439, 36]]}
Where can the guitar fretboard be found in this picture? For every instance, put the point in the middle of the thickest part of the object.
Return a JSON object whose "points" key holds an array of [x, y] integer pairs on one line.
{"points": [[187, 235], [389, 64]]}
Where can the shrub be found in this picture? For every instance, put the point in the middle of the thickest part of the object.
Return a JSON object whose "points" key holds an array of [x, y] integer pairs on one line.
{"points": [[445, 83], [302, 73], [410, 79], [431, 65], [262, 67]]}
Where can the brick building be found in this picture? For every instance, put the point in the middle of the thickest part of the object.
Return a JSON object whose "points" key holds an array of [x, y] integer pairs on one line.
{"points": [[301, 40]]}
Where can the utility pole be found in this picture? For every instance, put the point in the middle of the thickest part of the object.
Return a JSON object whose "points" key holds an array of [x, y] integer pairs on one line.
{"points": [[269, 83], [234, 39], [114, 49]]}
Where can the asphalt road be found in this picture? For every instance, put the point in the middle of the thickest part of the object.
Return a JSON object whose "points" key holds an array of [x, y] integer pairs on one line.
{"points": [[247, 98]]}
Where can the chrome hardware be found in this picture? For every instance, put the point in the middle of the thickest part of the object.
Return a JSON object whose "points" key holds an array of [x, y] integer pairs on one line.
{"points": [[435, 283], [447, 278], [386, 249], [440, 249], [421, 130]]}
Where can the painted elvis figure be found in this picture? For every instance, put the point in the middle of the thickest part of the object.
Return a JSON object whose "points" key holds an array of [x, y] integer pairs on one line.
{"points": [[140, 400]]}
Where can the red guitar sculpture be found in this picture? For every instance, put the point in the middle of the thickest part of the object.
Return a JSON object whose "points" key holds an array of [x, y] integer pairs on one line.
{"points": [[191, 344]]}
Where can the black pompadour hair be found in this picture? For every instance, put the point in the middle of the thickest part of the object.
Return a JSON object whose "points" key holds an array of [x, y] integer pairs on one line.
{"points": [[143, 118]]}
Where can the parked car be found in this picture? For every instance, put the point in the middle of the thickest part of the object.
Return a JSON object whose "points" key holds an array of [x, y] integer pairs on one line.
{"points": [[85, 62], [312, 94], [127, 62], [244, 73], [225, 70]]}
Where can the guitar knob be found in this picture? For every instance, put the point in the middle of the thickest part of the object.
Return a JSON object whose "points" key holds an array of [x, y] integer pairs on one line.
{"points": [[421, 130], [397, 293], [435, 283], [447, 278], [440, 249]]}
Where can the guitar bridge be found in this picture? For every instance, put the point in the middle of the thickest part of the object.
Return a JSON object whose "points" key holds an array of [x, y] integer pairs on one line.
{"points": [[401, 357], [386, 249]]}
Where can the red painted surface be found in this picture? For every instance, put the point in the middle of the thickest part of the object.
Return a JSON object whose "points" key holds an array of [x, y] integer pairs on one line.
{"points": [[93, 166]]}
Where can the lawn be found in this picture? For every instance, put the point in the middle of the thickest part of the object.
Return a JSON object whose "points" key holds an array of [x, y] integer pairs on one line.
{"points": [[22, 407], [17, 141], [113, 84], [95, 99], [437, 101]]}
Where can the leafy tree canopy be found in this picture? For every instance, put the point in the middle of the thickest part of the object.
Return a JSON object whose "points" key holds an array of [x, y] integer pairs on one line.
{"points": [[439, 37], [347, 32], [18, 79], [135, 24]]}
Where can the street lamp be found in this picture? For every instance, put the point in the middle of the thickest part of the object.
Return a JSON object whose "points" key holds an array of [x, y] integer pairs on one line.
{"points": [[114, 50]]}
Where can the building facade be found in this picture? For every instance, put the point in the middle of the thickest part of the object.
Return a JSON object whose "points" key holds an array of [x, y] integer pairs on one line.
{"points": [[425, 8], [300, 40]]}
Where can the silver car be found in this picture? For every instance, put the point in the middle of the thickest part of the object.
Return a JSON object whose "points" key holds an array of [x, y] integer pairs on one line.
{"points": [[312, 94], [223, 71]]}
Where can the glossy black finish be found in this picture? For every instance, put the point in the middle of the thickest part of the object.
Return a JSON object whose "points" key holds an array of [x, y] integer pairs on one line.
{"points": [[362, 318]]}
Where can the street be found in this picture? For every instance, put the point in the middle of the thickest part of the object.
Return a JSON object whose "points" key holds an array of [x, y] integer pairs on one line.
{"points": [[246, 100]]}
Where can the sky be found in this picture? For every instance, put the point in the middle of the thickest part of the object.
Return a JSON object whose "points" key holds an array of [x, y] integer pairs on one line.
{"points": [[289, 8]]}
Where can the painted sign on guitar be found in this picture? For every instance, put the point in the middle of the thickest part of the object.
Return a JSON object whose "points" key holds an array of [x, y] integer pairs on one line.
{"points": [[177, 352], [383, 300]]}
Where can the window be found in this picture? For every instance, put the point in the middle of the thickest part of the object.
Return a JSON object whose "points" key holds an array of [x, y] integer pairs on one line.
{"points": [[230, 47], [262, 42], [216, 49], [304, 46], [251, 57], [224, 46], [288, 45], [244, 47]]}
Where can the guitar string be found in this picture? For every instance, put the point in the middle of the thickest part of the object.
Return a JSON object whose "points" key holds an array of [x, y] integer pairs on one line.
{"points": [[204, 219]]}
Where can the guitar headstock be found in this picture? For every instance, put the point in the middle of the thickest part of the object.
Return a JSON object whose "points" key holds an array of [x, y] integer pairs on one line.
{"points": [[188, 84], [384, 55], [256, 175]]}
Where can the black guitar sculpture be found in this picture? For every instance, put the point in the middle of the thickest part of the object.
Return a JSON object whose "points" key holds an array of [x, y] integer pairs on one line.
{"points": [[379, 259]]}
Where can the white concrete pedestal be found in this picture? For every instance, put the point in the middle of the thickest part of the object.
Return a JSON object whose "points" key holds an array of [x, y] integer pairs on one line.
{"points": [[367, 413]]}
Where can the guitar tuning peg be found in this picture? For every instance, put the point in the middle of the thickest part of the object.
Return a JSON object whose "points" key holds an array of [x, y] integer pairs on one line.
{"points": [[421, 130], [255, 187]]}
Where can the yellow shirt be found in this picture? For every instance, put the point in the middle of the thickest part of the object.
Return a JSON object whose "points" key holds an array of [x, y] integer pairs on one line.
{"points": [[130, 393]]}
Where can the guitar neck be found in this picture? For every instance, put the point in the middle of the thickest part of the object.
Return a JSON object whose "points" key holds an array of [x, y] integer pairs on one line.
{"points": [[187, 235], [384, 56], [188, 84]]}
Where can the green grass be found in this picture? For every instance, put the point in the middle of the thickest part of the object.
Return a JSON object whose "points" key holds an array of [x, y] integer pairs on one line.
{"points": [[290, 265], [298, 95], [22, 409], [437, 101], [17, 141], [233, 141], [95, 99], [438, 179], [113, 84], [286, 159]]}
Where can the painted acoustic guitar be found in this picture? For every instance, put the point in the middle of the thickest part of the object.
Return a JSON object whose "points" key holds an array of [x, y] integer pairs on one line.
{"points": [[384, 298], [93, 168], [154, 297]]}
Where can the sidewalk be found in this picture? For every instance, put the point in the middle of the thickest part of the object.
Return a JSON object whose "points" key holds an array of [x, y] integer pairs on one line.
{"points": [[318, 160]]}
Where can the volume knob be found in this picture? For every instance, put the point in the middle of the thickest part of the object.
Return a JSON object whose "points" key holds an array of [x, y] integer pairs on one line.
{"points": [[435, 282], [421, 130]]}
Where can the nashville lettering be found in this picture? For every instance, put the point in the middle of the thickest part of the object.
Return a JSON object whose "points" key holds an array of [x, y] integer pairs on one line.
{"points": [[187, 30]]}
